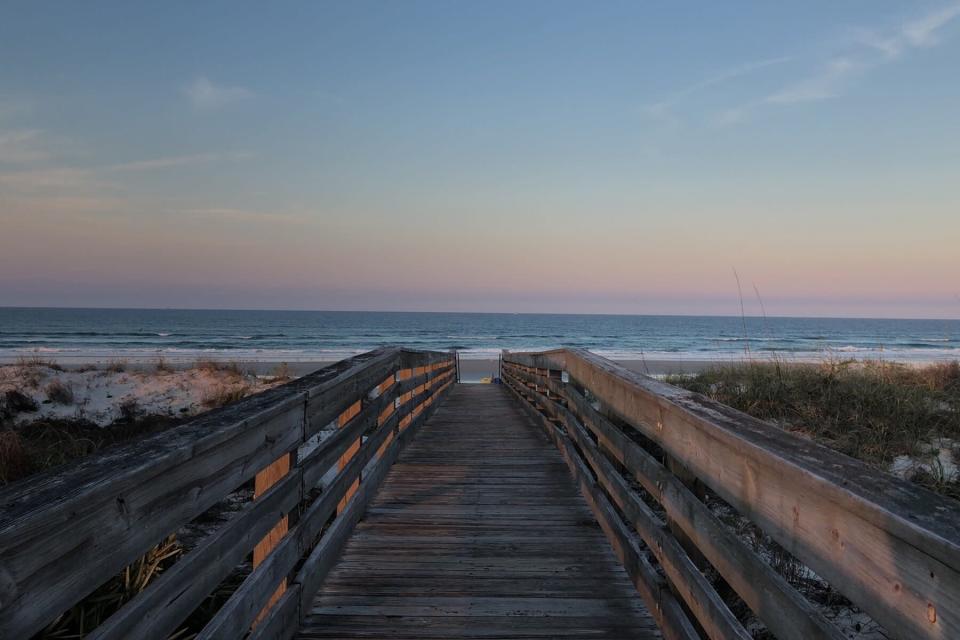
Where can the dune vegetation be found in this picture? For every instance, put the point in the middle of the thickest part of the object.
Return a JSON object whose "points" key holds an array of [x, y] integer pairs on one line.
{"points": [[900, 418], [50, 415]]}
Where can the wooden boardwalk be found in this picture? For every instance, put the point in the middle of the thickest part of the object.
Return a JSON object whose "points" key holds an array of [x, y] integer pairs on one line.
{"points": [[521, 510], [478, 532]]}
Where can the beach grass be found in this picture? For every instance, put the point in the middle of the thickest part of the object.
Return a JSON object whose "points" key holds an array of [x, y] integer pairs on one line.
{"points": [[48, 443], [896, 417]]}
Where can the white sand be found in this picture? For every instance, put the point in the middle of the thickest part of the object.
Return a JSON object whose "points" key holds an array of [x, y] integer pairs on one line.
{"points": [[938, 458], [98, 395]]}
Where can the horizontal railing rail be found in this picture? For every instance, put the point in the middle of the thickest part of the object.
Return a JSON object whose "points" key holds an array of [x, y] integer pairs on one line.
{"points": [[67, 532], [890, 547]]}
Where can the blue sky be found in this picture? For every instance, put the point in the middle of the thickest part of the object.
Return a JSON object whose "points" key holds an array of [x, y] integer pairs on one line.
{"points": [[610, 157]]}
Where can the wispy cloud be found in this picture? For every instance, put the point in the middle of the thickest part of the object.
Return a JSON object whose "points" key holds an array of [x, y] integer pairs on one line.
{"points": [[10, 107], [923, 32], [821, 86], [205, 95], [226, 214], [726, 75], [47, 179], [54, 179], [22, 146], [177, 161], [664, 109], [835, 75]]}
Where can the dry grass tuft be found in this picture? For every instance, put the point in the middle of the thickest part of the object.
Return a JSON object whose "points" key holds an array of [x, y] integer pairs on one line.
{"points": [[130, 410], [29, 375], [161, 365], [14, 461], [89, 613], [36, 361], [221, 395], [206, 364], [281, 373], [50, 442], [15, 401], [116, 366], [58, 392]]}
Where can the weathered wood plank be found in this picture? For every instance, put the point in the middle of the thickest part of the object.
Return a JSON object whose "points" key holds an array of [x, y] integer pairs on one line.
{"points": [[489, 560], [315, 568], [890, 546], [282, 620], [711, 612], [236, 615], [157, 611], [781, 607], [785, 611], [473, 626], [118, 504], [666, 610]]}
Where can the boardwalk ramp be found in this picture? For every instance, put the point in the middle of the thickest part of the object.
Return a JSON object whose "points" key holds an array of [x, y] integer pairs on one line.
{"points": [[478, 532]]}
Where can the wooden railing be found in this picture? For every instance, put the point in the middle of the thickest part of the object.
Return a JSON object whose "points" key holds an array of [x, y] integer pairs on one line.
{"points": [[65, 533], [890, 547]]}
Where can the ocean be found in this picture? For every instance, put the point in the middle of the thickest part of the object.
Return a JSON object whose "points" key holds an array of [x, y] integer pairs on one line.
{"points": [[306, 336]]}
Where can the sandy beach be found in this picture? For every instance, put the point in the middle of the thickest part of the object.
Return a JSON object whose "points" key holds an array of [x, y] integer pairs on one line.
{"points": [[471, 370]]}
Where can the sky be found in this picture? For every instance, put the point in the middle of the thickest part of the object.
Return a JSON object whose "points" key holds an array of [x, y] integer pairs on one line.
{"points": [[635, 157]]}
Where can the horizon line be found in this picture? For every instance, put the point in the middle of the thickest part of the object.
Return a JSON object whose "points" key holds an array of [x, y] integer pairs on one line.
{"points": [[501, 313]]}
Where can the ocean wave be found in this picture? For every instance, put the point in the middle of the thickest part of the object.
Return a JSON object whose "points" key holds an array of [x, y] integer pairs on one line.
{"points": [[929, 344], [316, 337], [315, 354]]}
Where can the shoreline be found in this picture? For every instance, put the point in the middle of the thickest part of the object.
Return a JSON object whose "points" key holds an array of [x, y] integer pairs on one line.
{"points": [[471, 369]]}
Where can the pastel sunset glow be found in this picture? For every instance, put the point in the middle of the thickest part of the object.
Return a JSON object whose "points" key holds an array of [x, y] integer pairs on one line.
{"points": [[497, 156]]}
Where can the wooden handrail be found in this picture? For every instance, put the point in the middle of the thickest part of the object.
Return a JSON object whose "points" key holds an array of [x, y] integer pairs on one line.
{"points": [[891, 547], [66, 532]]}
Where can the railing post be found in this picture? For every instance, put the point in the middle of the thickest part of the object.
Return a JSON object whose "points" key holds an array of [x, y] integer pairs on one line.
{"points": [[556, 375]]}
